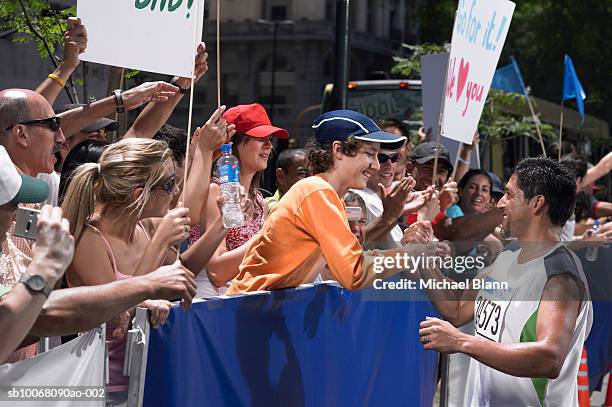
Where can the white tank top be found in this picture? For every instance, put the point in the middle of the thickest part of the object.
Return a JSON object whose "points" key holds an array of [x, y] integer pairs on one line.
{"points": [[509, 316]]}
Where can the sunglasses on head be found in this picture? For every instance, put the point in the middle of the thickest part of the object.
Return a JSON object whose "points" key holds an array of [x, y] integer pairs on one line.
{"points": [[168, 186], [383, 158], [52, 123]]}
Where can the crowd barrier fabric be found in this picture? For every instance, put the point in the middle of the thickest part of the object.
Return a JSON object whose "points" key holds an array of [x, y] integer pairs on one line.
{"points": [[599, 342], [72, 374], [318, 345]]}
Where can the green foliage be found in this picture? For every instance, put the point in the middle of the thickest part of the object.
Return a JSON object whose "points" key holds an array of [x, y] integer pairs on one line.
{"points": [[501, 118], [47, 21], [410, 67]]}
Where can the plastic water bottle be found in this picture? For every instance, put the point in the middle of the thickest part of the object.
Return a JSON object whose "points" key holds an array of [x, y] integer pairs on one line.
{"points": [[228, 172], [593, 249]]}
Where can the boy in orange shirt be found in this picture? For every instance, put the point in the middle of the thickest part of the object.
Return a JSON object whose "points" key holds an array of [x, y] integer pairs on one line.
{"points": [[310, 220]]}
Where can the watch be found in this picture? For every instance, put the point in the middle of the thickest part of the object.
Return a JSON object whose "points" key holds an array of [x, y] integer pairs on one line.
{"points": [[119, 100], [181, 90], [36, 283]]}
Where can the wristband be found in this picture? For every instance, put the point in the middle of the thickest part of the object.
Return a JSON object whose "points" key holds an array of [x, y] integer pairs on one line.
{"points": [[57, 79], [466, 162], [117, 94], [183, 91]]}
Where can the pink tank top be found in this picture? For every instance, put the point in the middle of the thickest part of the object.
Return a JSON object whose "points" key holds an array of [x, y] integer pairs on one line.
{"points": [[116, 346]]}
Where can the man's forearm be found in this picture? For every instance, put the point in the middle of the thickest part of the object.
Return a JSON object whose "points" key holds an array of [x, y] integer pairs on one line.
{"points": [[79, 309], [530, 359], [77, 119], [153, 117], [18, 311], [469, 227]]}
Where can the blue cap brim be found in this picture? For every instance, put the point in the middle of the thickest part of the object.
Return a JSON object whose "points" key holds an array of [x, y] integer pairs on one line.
{"points": [[381, 137]]}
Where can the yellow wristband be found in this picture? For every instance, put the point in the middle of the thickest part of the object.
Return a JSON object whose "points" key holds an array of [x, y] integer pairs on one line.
{"points": [[57, 79]]}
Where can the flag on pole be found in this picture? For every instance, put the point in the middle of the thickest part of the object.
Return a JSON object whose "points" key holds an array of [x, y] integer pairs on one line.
{"points": [[572, 88], [509, 79]]}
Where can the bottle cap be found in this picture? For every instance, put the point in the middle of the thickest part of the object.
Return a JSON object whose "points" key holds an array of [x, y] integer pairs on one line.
{"points": [[226, 148]]}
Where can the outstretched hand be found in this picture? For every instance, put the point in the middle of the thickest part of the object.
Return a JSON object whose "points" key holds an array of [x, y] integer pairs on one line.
{"points": [[148, 92]]}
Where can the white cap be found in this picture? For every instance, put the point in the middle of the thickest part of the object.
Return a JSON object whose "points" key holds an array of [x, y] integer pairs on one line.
{"points": [[10, 181], [19, 188]]}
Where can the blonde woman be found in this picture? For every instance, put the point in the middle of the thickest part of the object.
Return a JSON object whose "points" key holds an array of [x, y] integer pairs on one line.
{"points": [[114, 208]]}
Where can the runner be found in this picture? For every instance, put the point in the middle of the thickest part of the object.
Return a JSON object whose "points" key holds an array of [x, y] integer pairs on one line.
{"points": [[530, 333]]}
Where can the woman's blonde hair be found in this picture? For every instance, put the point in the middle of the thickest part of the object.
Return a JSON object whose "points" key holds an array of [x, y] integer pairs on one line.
{"points": [[123, 167]]}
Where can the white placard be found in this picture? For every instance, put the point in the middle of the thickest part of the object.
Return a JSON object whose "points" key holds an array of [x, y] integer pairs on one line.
{"points": [[479, 34], [148, 35]]}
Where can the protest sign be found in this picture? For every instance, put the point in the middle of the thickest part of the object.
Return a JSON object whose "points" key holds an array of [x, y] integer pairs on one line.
{"points": [[433, 72], [149, 35], [479, 34]]}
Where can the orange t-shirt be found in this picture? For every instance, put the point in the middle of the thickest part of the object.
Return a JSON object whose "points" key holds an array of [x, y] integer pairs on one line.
{"points": [[309, 221]]}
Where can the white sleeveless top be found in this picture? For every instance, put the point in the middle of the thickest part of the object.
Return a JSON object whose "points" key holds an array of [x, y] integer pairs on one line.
{"points": [[510, 315]]}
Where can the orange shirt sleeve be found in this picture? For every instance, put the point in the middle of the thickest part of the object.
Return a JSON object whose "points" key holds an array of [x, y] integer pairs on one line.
{"points": [[322, 215]]}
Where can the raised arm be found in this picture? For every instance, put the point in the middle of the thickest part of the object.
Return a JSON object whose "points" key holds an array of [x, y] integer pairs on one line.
{"points": [[603, 167], [75, 43], [75, 120], [51, 255], [154, 115], [209, 139]]}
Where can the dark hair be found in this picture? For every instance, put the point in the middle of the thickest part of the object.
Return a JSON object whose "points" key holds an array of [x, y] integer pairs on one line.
{"points": [[13, 110], [88, 151], [288, 157], [547, 177], [398, 124], [472, 173], [566, 148], [584, 206], [576, 165], [176, 139], [320, 154]]}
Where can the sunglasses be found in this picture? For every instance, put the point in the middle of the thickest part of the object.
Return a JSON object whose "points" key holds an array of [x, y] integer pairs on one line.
{"points": [[383, 158], [52, 123], [168, 186]]}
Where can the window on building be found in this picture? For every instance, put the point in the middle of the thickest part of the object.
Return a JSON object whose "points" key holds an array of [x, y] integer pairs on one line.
{"points": [[277, 10], [278, 13], [330, 10]]}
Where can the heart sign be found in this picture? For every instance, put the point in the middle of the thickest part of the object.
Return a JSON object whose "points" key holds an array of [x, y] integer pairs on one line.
{"points": [[464, 69]]}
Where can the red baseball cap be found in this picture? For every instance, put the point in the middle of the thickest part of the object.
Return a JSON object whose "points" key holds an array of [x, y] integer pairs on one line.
{"points": [[253, 121]]}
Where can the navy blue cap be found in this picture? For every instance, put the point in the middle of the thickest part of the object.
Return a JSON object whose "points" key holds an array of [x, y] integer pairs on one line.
{"points": [[497, 187], [338, 125]]}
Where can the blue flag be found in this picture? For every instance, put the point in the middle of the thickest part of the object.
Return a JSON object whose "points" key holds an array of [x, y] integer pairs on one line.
{"points": [[509, 79], [572, 88]]}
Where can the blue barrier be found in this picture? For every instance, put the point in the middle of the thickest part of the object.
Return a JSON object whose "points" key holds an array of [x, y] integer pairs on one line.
{"points": [[599, 342], [312, 346]]}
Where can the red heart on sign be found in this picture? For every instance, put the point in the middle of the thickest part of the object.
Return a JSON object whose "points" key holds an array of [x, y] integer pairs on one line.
{"points": [[462, 79]]}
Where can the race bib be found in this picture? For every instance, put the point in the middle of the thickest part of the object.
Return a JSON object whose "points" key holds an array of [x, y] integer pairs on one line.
{"points": [[490, 311]]}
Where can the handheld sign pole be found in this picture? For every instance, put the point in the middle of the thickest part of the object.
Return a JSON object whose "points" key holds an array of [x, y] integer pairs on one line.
{"points": [[218, 54], [441, 119], [536, 121], [561, 130], [196, 41]]}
